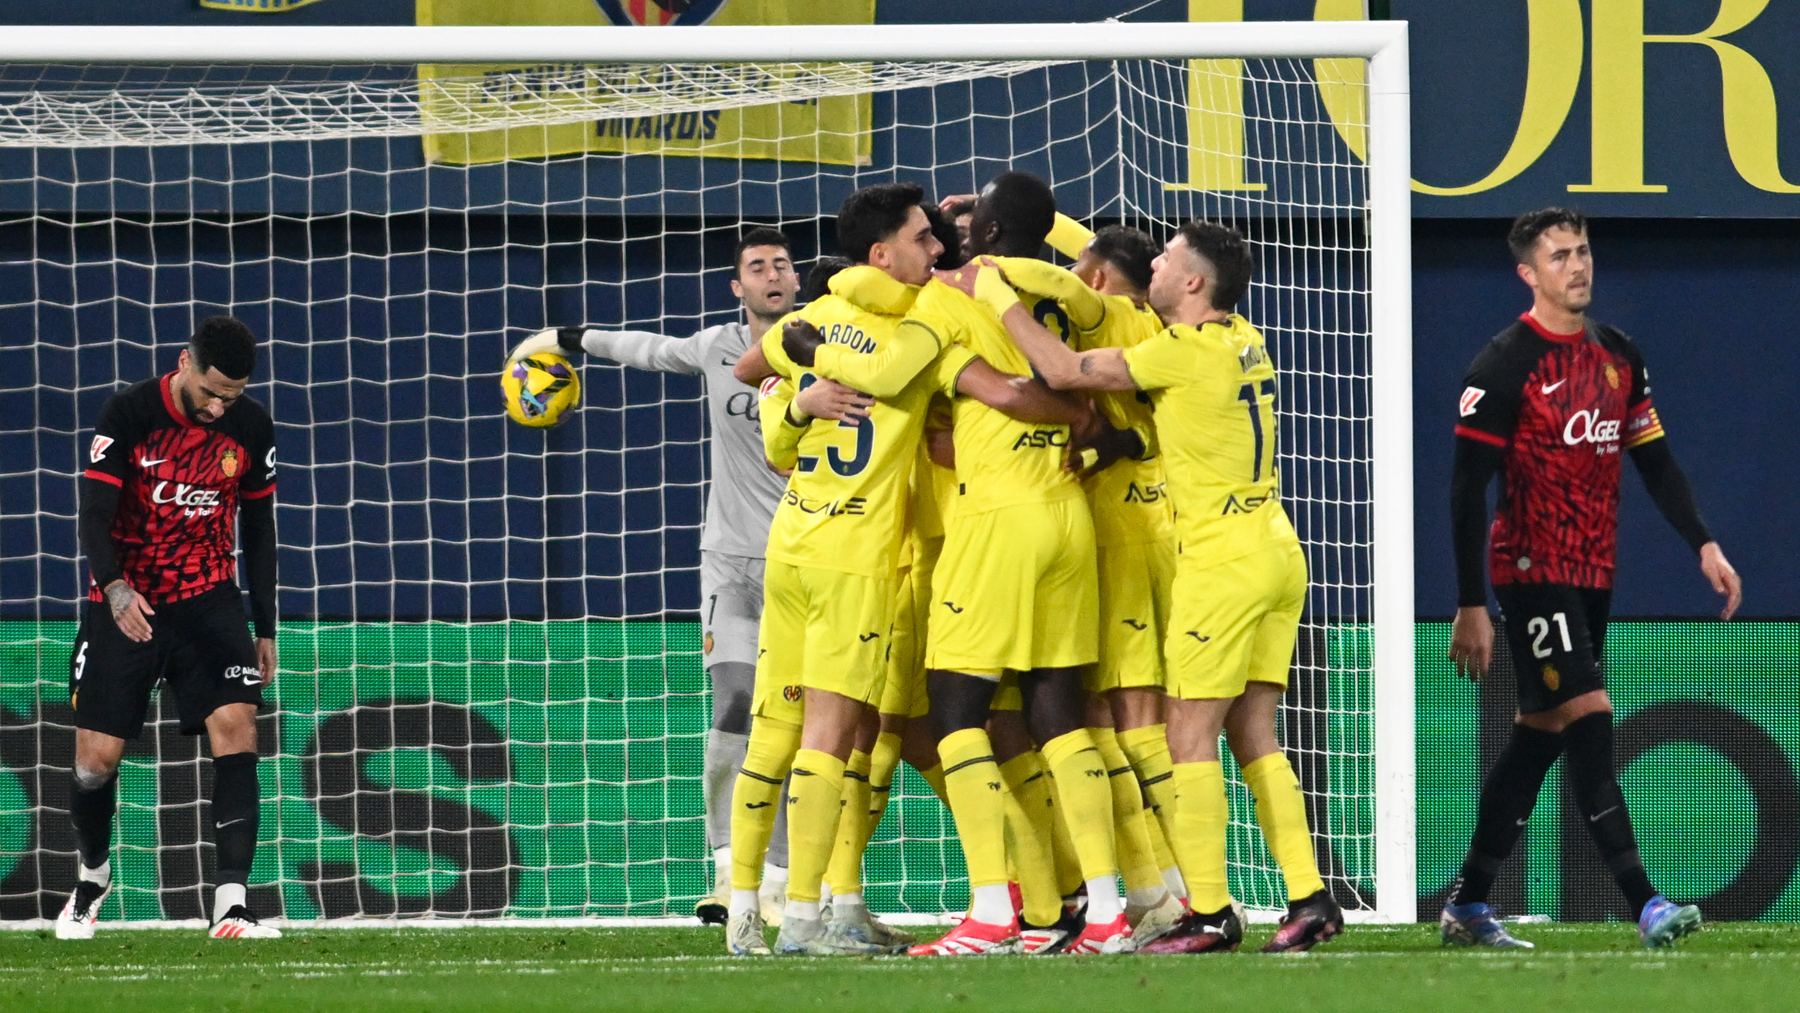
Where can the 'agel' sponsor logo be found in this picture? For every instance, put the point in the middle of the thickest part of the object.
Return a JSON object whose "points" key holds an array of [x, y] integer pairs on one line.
{"points": [[196, 500], [1587, 426]]}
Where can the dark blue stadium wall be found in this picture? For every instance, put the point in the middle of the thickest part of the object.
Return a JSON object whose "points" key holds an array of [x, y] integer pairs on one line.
{"points": [[1707, 299]]}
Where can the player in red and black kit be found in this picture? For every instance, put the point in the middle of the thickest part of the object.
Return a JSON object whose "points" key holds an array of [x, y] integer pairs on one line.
{"points": [[1551, 404], [173, 463]]}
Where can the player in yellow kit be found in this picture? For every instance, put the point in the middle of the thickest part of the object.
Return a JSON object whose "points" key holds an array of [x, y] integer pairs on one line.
{"points": [[1240, 581], [1101, 304], [828, 589], [829, 594], [1014, 592]]}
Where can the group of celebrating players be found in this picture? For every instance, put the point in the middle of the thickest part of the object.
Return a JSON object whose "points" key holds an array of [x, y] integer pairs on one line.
{"points": [[1017, 524], [990, 557]]}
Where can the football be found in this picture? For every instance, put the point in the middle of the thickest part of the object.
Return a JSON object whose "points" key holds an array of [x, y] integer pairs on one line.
{"points": [[540, 390]]}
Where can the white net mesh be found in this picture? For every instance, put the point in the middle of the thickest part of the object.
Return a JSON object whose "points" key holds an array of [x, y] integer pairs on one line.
{"points": [[492, 700]]}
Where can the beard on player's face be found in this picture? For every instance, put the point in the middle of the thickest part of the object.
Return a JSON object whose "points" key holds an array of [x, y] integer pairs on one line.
{"points": [[771, 303]]}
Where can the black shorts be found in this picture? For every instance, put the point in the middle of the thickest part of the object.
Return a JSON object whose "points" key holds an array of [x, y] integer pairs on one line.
{"points": [[1557, 636], [200, 646]]}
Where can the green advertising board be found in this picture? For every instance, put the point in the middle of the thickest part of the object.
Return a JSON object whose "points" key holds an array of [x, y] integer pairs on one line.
{"points": [[552, 769]]}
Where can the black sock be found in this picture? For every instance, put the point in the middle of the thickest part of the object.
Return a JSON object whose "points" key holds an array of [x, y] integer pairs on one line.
{"points": [[91, 811], [236, 803], [1507, 798], [1597, 794]]}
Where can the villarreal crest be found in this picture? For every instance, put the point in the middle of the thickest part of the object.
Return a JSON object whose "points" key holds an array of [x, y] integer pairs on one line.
{"points": [[652, 13]]}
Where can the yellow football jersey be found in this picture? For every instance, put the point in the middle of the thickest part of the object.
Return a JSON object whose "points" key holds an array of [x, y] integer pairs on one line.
{"points": [[999, 460], [1213, 388], [845, 504], [934, 487], [1129, 499]]}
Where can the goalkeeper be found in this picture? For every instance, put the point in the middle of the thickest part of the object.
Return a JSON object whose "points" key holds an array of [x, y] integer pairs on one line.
{"points": [[739, 509]]}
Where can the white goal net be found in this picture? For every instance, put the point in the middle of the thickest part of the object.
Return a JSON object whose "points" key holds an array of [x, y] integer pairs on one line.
{"points": [[491, 700]]}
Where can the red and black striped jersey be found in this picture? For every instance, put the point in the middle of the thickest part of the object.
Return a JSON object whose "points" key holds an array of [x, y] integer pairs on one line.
{"points": [[1562, 407], [180, 483]]}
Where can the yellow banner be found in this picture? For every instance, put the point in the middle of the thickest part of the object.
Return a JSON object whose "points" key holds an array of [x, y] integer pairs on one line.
{"points": [[833, 130]]}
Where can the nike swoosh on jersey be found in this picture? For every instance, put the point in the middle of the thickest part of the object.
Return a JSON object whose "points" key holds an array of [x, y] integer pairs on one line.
{"points": [[147, 463], [1549, 388]]}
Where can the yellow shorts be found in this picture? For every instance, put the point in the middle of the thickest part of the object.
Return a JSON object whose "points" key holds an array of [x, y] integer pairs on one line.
{"points": [[1015, 590], [904, 691], [821, 630], [1135, 584], [1235, 623]]}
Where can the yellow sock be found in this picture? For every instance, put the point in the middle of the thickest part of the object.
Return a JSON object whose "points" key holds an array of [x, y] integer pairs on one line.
{"points": [[1081, 785], [1159, 841], [882, 764], [972, 781], [1062, 846], [815, 794], [934, 777], [1137, 860], [1165, 857], [1199, 839], [1281, 810], [756, 797], [1148, 750], [1030, 817], [853, 829]]}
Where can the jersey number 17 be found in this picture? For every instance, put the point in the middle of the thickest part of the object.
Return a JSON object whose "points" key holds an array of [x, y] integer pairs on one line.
{"points": [[1250, 395]]}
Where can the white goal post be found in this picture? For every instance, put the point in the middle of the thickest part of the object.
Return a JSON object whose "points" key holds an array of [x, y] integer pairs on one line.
{"points": [[1341, 280]]}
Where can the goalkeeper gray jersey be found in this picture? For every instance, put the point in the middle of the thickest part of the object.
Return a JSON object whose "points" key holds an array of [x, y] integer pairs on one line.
{"points": [[741, 503]]}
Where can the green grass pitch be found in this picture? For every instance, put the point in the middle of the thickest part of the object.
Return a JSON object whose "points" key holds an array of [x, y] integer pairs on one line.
{"points": [[1724, 969]]}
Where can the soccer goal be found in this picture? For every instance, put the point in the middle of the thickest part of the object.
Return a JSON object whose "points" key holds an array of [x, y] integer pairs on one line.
{"points": [[491, 703]]}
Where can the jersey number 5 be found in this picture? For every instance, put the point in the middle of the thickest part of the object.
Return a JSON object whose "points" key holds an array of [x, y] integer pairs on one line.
{"points": [[865, 444], [1248, 394]]}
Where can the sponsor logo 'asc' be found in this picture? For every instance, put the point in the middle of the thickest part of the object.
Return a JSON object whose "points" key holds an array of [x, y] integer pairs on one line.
{"points": [[196, 501], [1588, 427]]}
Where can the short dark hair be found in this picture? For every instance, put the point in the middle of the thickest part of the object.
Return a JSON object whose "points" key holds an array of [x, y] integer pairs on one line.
{"points": [[225, 344], [943, 229], [1024, 206], [818, 277], [1229, 255], [872, 215], [1523, 236], [1128, 250], [760, 235]]}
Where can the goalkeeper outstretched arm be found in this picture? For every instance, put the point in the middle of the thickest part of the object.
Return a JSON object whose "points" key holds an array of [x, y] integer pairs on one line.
{"points": [[646, 350]]}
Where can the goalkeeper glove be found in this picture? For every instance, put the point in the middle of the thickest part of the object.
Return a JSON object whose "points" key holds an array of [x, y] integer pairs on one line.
{"points": [[565, 341]]}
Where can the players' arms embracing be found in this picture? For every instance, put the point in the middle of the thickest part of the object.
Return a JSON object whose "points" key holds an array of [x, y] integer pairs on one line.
{"points": [[1019, 397], [1094, 445]]}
